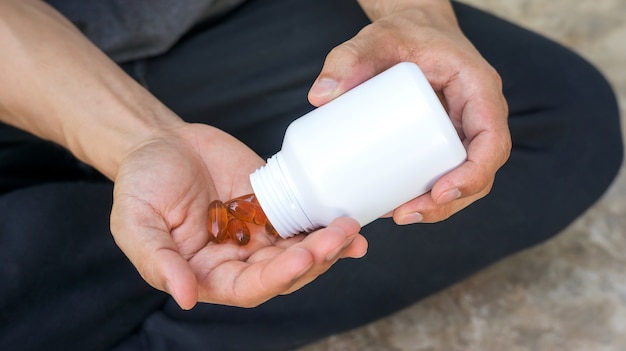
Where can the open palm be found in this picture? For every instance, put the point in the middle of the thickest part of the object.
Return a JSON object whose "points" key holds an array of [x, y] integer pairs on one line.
{"points": [[159, 219]]}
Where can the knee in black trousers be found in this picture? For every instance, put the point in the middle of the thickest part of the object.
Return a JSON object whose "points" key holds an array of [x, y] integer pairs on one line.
{"points": [[567, 149], [556, 100]]}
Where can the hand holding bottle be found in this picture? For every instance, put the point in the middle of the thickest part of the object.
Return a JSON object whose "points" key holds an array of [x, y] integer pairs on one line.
{"points": [[426, 32]]}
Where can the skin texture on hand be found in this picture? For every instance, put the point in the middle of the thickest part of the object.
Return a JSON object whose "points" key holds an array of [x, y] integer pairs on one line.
{"points": [[166, 172], [426, 32], [62, 88], [159, 220]]}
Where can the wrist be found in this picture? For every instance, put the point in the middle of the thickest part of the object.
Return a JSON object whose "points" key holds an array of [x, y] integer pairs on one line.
{"points": [[123, 125], [377, 9], [60, 87]]}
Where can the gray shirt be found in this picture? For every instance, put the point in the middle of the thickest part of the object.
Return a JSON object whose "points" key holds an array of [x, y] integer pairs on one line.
{"points": [[131, 29]]}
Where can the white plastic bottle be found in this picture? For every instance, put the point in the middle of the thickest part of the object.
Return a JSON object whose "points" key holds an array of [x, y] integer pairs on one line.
{"points": [[362, 155]]}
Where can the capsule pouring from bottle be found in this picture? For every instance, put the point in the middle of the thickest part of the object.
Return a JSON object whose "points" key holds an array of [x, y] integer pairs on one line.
{"points": [[361, 155]]}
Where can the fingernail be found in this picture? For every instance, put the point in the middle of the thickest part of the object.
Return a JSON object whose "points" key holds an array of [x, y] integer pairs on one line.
{"points": [[333, 254], [172, 293], [410, 218], [324, 87], [449, 196]]}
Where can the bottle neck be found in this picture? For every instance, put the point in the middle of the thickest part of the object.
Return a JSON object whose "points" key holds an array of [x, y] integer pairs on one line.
{"points": [[278, 199]]}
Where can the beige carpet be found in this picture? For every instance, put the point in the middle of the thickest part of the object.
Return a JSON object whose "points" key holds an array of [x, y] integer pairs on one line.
{"points": [[566, 295]]}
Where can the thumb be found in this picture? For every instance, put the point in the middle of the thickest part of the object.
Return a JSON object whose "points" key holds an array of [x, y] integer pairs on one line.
{"points": [[155, 256], [171, 273], [349, 65]]}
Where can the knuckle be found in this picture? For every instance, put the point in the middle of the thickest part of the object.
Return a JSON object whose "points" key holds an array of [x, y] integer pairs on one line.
{"points": [[433, 213], [507, 146], [250, 304], [438, 214], [494, 75], [445, 213], [348, 53], [503, 145], [482, 186]]}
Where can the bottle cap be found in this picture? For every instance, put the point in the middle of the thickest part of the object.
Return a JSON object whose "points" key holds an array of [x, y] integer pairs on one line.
{"points": [[273, 191]]}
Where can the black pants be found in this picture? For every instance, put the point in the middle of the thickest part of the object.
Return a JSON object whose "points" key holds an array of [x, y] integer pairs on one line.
{"points": [[63, 283]]}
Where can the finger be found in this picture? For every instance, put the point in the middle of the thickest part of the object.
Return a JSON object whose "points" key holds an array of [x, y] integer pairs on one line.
{"points": [[481, 111], [167, 270], [425, 210], [250, 283], [352, 63], [154, 254], [387, 215], [357, 249], [189, 229], [327, 243], [338, 240], [486, 153], [243, 284], [488, 144]]}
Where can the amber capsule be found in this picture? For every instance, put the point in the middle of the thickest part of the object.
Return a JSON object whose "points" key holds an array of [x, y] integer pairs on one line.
{"points": [[241, 209], [246, 198], [218, 221], [259, 216], [269, 229], [247, 209], [238, 230]]}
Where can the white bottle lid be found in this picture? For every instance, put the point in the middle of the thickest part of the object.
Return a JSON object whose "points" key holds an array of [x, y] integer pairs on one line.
{"points": [[278, 199]]}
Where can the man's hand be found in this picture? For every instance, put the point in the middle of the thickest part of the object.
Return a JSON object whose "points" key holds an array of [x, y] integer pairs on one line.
{"points": [[62, 88], [426, 32], [159, 219]]}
